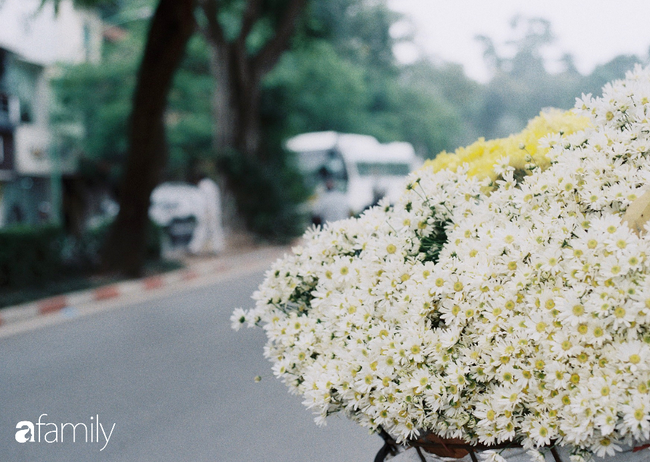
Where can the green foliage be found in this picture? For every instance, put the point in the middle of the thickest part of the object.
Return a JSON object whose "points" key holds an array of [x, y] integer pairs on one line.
{"points": [[338, 95], [83, 253], [29, 256], [190, 125], [99, 99], [333, 93], [431, 245], [449, 85], [358, 30], [339, 74], [612, 70], [521, 87], [428, 122], [267, 195]]}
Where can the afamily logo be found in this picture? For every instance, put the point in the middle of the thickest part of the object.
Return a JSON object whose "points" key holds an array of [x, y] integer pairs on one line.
{"points": [[92, 432]]}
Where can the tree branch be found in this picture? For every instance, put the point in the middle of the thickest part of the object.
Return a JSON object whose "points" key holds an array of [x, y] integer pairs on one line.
{"points": [[214, 32], [269, 55], [251, 15], [233, 54], [242, 60]]}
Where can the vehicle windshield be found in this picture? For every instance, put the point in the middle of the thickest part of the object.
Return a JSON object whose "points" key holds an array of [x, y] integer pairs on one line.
{"points": [[383, 169], [317, 166]]}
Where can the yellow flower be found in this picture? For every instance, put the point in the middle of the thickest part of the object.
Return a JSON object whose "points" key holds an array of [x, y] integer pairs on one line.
{"points": [[521, 149]]}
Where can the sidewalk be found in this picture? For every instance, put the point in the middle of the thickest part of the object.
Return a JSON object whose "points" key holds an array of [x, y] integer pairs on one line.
{"points": [[241, 253]]}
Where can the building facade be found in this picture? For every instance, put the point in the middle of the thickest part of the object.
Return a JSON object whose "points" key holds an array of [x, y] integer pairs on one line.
{"points": [[33, 43]]}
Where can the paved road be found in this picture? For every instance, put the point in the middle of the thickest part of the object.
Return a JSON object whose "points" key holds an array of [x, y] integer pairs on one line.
{"points": [[175, 380]]}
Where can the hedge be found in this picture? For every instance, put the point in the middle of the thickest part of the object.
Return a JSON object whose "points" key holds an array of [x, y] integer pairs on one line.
{"points": [[33, 255], [29, 255]]}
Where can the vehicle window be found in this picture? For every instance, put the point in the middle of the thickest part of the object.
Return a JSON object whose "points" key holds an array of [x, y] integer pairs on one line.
{"points": [[316, 166], [310, 162], [383, 169]]}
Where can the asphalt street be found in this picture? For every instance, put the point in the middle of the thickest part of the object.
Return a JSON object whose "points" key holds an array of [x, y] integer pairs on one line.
{"points": [[165, 379]]}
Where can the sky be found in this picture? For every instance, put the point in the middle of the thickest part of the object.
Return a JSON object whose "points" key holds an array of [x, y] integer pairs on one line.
{"points": [[593, 31]]}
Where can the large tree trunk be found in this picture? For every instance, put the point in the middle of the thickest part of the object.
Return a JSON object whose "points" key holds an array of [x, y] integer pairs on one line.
{"points": [[238, 74], [171, 27], [235, 105]]}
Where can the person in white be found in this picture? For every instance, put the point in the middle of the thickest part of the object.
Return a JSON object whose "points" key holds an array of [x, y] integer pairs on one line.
{"points": [[332, 204], [208, 236]]}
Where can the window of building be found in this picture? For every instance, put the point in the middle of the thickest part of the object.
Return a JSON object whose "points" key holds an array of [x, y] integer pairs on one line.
{"points": [[87, 44], [4, 108], [22, 81]]}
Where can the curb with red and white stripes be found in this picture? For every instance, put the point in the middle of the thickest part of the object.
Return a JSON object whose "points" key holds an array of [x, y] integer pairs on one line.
{"points": [[256, 259]]}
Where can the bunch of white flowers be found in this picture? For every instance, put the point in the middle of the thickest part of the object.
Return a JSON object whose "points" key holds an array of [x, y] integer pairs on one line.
{"points": [[522, 315]]}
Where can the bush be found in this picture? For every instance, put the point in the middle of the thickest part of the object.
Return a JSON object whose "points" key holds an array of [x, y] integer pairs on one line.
{"points": [[29, 255], [267, 195], [83, 254]]}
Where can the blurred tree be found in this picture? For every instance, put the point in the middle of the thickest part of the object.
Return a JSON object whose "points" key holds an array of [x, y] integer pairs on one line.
{"points": [[98, 97], [341, 75], [521, 86], [492, 59], [189, 117], [170, 29], [612, 70], [314, 89], [337, 73], [444, 105], [528, 60], [247, 38]]}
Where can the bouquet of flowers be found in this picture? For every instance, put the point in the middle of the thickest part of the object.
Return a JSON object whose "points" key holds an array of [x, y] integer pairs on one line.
{"points": [[511, 304]]}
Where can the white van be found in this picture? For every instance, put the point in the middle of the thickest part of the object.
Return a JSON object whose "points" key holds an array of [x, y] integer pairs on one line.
{"points": [[362, 167]]}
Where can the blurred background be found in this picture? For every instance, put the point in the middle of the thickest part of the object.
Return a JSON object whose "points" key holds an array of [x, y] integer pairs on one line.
{"points": [[288, 106], [142, 136]]}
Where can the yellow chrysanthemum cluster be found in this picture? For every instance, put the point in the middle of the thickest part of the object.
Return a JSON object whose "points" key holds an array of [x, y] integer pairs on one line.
{"points": [[521, 149]]}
